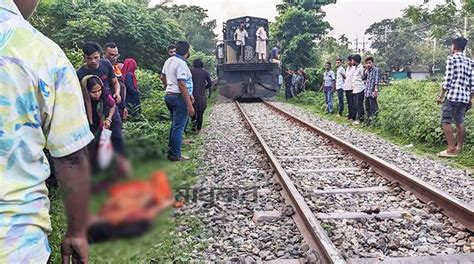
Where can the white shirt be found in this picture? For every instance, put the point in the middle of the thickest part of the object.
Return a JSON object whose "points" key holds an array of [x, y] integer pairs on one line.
{"points": [[240, 37], [261, 34], [175, 69], [339, 78], [348, 81], [357, 82]]}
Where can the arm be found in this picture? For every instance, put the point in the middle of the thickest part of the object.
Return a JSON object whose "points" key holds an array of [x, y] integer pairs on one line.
{"points": [[73, 178], [112, 106], [163, 79], [114, 82], [447, 81], [187, 98], [209, 84], [116, 85], [376, 83], [343, 74], [66, 138]]}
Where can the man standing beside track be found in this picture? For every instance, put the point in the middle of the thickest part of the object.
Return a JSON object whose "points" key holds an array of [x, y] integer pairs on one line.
{"points": [[175, 75], [371, 89], [457, 93], [348, 89], [358, 88], [340, 74]]}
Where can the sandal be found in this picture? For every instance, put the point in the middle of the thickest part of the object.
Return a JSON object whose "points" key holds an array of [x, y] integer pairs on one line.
{"points": [[445, 154]]}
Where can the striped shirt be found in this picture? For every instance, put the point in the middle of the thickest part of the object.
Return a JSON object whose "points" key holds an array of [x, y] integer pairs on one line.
{"points": [[373, 79], [459, 78]]}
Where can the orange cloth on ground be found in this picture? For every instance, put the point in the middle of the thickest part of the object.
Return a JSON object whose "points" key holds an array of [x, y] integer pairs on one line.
{"points": [[137, 200]]}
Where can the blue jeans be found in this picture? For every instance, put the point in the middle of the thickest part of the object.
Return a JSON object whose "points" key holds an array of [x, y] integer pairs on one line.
{"points": [[178, 115], [340, 99], [328, 96]]}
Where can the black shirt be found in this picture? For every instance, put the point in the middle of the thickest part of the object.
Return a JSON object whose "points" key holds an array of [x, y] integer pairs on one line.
{"points": [[105, 72], [201, 82]]}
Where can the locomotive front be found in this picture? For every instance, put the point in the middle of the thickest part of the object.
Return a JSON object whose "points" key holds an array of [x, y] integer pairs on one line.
{"points": [[246, 77]]}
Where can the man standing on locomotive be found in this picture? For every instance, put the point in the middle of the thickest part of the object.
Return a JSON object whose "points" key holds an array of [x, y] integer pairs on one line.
{"points": [[261, 47], [239, 36]]}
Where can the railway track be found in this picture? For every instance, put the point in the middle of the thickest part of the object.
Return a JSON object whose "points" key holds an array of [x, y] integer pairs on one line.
{"points": [[354, 207]]}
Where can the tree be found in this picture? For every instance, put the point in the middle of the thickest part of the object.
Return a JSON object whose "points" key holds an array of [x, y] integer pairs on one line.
{"points": [[198, 32], [344, 41], [134, 28], [296, 29]]}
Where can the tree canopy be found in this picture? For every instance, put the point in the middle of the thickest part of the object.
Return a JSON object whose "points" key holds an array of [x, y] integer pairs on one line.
{"points": [[421, 36], [297, 28], [140, 32]]}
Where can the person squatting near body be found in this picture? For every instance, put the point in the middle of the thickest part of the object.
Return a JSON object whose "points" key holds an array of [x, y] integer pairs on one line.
{"points": [[456, 95], [358, 88], [372, 81], [201, 82], [328, 86], [95, 65], [240, 36], [340, 75], [175, 74], [348, 79], [100, 108], [41, 106], [111, 53], [132, 100], [261, 45]]}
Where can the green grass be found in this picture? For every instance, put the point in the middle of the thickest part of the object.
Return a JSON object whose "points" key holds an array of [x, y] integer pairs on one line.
{"points": [[163, 243], [464, 161]]}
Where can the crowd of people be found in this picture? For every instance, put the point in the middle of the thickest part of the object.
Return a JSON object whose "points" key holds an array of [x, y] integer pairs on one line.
{"points": [[296, 82], [360, 84]]}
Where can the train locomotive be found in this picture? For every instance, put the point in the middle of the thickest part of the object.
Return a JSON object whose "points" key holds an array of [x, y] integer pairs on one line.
{"points": [[246, 78]]}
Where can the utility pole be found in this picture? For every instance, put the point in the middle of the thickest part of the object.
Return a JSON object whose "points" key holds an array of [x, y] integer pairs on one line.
{"points": [[363, 44], [465, 19], [357, 44]]}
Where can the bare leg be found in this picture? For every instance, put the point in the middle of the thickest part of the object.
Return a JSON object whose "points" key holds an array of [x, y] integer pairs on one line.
{"points": [[460, 135], [448, 133]]}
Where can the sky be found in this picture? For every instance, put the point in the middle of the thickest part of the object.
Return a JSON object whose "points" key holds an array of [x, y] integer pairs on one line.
{"points": [[350, 17]]}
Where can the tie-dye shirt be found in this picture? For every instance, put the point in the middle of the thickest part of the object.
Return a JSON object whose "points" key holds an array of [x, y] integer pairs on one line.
{"points": [[40, 107]]}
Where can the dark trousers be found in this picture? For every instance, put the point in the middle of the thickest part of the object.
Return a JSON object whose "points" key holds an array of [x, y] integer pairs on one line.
{"points": [[199, 108], [371, 106], [239, 52], [359, 106], [117, 135], [340, 99], [350, 104], [179, 116]]}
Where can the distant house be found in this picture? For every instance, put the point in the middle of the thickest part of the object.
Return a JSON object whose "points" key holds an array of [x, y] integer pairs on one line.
{"points": [[419, 72]]}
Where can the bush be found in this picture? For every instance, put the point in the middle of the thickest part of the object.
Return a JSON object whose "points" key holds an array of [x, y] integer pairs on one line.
{"points": [[148, 81], [315, 78], [408, 109]]}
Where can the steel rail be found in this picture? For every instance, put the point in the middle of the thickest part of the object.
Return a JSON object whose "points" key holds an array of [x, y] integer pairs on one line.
{"points": [[306, 221], [450, 206]]}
